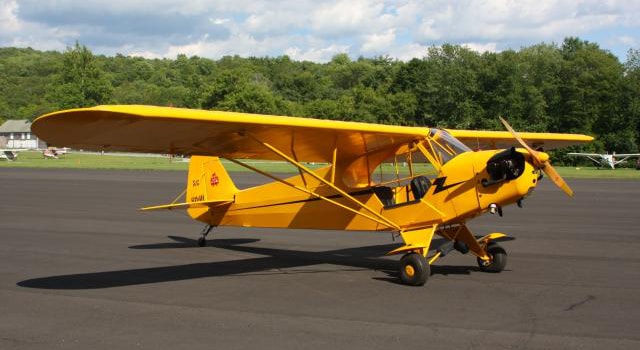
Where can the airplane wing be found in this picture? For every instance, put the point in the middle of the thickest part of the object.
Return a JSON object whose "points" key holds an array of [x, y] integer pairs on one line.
{"points": [[585, 154], [482, 140], [627, 155], [152, 129]]}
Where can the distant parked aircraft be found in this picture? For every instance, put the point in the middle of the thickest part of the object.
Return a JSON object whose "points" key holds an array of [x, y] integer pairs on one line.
{"points": [[9, 154], [54, 153], [606, 159]]}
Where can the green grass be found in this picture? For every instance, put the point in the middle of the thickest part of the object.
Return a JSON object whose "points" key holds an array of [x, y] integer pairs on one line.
{"points": [[95, 161], [80, 160], [594, 173]]}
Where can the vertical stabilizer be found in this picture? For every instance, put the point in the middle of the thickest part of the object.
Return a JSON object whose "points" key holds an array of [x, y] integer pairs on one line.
{"points": [[208, 181]]}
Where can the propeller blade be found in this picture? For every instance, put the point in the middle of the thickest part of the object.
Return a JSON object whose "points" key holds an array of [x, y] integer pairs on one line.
{"points": [[532, 152], [556, 178], [540, 162]]}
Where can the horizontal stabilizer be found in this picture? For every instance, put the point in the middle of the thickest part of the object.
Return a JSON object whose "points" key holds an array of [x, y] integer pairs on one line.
{"points": [[201, 204]]}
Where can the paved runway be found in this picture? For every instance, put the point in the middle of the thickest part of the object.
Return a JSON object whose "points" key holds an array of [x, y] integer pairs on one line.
{"points": [[80, 268]]}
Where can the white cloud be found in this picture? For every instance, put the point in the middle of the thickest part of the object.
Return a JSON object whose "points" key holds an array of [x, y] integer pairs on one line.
{"points": [[19, 33], [143, 54], [309, 29], [322, 54], [345, 17], [8, 20], [219, 21], [528, 19], [378, 43], [273, 23], [482, 47], [407, 52]]}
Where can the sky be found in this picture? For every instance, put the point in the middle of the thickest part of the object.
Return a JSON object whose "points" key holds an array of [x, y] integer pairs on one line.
{"points": [[313, 30]]}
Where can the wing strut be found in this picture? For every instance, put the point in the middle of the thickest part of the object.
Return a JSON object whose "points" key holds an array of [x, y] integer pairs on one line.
{"points": [[374, 215]]}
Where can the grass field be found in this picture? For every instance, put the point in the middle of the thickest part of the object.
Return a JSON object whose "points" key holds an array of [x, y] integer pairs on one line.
{"points": [[79, 160], [142, 162]]}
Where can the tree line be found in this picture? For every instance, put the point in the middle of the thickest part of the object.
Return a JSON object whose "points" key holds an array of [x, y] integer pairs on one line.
{"points": [[574, 87]]}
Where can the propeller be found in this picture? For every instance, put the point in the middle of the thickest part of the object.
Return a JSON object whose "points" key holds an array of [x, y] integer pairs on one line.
{"points": [[541, 161]]}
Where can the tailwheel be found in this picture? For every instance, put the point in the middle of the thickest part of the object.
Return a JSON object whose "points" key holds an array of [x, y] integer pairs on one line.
{"points": [[498, 258], [414, 269], [202, 241]]}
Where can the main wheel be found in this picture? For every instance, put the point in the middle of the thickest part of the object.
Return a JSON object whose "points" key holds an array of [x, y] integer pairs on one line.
{"points": [[498, 258], [414, 269], [202, 242]]}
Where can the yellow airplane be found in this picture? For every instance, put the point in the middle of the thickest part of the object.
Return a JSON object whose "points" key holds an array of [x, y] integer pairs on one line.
{"points": [[348, 193]]}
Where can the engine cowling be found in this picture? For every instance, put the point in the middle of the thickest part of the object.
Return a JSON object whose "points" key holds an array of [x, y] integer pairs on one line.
{"points": [[504, 166]]}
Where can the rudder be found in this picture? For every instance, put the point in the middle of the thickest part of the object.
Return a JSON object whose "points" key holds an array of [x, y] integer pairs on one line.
{"points": [[209, 191], [208, 180]]}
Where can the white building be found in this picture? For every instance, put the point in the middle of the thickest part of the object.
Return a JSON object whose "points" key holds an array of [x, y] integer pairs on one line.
{"points": [[16, 133]]}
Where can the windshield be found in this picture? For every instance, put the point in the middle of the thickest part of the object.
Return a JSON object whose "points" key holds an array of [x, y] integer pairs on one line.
{"points": [[445, 146]]}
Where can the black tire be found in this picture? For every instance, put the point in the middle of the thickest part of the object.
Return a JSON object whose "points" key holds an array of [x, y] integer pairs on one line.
{"points": [[414, 269], [202, 242], [498, 259]]}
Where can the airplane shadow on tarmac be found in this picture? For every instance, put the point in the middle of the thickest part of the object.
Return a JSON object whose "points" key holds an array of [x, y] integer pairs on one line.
{"points": [[271, 261]]}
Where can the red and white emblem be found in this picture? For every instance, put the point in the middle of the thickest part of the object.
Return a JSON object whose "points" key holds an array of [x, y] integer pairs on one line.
{"points": [[214, 179]]}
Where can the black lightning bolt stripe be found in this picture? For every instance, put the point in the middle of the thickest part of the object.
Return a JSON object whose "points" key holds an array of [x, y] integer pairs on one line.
{"points": [[439, 183]]}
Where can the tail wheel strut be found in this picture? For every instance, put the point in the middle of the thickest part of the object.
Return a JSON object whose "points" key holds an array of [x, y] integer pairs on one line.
{"points": [[202, 241]]}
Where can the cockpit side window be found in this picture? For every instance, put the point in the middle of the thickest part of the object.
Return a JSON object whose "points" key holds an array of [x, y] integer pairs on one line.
{"points": [[399, 169], [404, 177]]}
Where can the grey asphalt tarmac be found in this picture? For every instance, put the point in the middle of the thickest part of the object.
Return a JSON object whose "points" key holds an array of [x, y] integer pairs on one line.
{"points": [[81, 268]]}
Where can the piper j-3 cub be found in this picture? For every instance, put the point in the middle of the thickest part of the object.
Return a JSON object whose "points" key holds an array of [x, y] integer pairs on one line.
{"points": [[606, 159], [346, 194]]}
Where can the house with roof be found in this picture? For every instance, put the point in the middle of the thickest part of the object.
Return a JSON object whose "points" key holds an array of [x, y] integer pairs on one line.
{"points": [[16, 134]]}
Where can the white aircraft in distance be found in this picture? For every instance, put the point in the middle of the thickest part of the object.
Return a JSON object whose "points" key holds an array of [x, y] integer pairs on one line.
{"points": [[606, 159], [54, 153], [9, 154]]}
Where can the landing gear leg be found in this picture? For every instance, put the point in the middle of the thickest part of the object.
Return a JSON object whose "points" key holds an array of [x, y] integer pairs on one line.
{"points": [[202, 241]]}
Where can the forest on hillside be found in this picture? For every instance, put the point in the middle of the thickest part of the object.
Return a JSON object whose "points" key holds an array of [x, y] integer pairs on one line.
{"points": [[574, 86]]}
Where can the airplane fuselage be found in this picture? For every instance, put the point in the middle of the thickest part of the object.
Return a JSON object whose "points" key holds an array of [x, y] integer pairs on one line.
{"points": [[461, 190], [608, 160]]}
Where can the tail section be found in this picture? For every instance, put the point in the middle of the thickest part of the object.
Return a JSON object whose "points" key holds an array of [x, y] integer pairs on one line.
{"points": [[208, 186], [208, 181]]}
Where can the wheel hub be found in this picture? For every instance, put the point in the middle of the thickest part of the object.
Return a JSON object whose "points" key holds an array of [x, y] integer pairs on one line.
{"points": [[409, 270]]}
